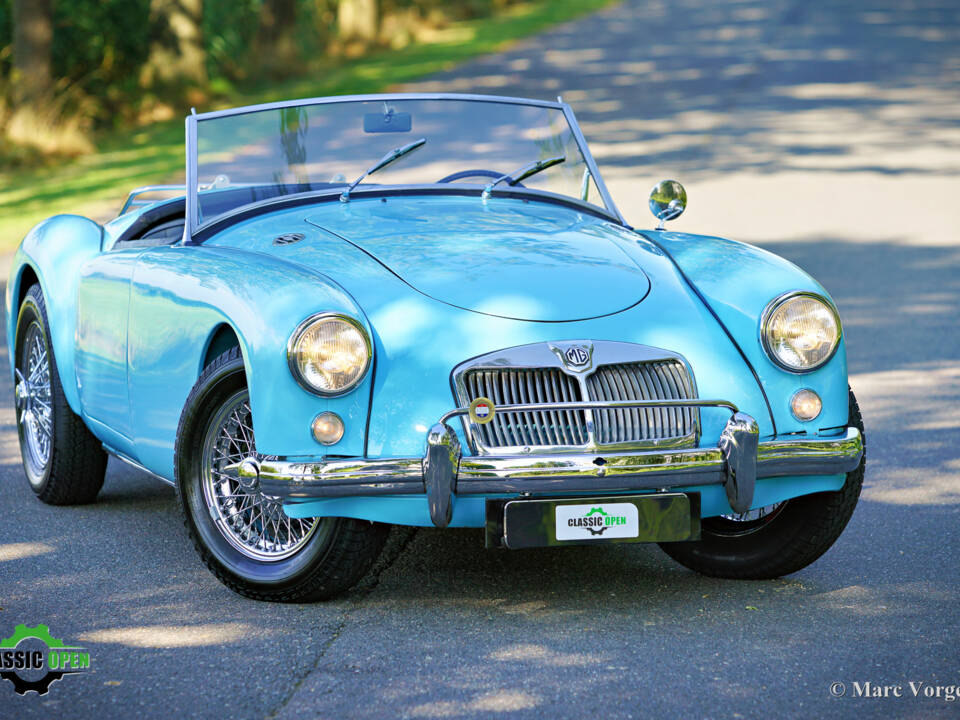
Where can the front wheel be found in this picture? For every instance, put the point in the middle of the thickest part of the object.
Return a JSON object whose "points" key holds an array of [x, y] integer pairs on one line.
{"points": [[778, 540], [64, 463], [243, 536]]}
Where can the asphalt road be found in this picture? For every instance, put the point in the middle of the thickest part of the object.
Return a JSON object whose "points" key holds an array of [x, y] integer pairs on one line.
{"points": [[827, 132]]}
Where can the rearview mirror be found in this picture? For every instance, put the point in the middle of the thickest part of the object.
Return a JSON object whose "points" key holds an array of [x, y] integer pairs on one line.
{"points": [[387, 122]]}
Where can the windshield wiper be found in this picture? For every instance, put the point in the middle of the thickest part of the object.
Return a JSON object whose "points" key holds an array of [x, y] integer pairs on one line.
{"points": [[387, 159], [523, 173]]}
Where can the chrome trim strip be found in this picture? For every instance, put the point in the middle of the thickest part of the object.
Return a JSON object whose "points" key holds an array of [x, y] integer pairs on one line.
{"points": [[134, 464], [192, 217], [591, 163], [810, 456], [376, 97], [332, 473], [132, 196], [599, 405]]}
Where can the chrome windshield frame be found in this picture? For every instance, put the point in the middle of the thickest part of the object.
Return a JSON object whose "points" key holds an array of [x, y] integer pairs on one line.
{"points": [[192, 224]]}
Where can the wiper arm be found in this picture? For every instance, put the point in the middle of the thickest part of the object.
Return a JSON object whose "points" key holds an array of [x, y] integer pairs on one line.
{"points": [[387, 159], [523, 173]]}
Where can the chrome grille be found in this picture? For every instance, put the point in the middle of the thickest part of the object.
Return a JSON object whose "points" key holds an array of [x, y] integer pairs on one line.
{"points": [[648, 380], [528, 429], [662, 380]]}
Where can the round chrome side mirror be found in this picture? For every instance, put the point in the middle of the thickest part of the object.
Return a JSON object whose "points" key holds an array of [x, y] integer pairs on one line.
{"points": [[668, 200]]}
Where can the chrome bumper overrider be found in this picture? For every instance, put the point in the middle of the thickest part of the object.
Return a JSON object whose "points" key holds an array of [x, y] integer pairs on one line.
{"points": [[736, 462]]}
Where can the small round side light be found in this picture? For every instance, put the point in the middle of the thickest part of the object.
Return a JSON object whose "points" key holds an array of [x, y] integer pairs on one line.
{"points": [[327, 428], [805, 405]]}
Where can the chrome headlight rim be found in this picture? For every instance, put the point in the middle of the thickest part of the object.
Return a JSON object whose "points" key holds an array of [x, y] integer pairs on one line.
{"points": [[292, 353], [775, 305]]}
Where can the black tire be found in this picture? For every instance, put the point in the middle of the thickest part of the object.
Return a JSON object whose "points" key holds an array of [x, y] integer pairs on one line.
{"points": [[71, 471], [794, 535], [328, 560]]}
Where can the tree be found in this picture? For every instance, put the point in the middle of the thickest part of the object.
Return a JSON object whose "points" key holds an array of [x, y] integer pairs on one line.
{"points": [[177, 57], [357, 20], [274, 44], [32, 43]]}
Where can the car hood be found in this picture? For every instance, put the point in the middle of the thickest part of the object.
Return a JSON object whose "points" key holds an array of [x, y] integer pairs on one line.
{"points": [[518, 260]]}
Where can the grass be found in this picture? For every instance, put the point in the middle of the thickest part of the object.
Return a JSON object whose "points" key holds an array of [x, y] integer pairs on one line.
{"points": [[95, 185]]}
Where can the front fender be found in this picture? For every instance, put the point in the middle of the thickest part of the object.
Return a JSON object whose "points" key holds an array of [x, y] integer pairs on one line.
{"points": [[54, 250], [737, 281], [181, 296]]}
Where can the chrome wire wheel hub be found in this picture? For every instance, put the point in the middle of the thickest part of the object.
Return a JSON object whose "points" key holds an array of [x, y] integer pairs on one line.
{"points": [[33, 398], [745, 523], [253, 523]]}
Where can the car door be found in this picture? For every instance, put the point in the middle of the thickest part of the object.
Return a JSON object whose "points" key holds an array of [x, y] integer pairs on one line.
{"points": [[101, 354]]}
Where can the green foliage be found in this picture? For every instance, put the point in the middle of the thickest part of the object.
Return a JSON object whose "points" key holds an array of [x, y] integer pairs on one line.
{"points": [[98, 46], [95, 185], [229, 28]]}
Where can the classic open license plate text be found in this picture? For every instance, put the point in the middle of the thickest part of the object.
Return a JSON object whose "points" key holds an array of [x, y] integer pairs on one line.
{"points": [[663, 517]]}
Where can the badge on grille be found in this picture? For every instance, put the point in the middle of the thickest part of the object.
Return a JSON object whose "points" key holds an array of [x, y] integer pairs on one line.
{"points": [[482, 410], [576, 356]]}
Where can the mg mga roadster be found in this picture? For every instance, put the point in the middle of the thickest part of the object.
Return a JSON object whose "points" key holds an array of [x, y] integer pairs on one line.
{"points": [[426, 310]]}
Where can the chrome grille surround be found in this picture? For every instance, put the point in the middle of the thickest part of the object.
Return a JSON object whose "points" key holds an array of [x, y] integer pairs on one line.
{"points": [[541, 373]]}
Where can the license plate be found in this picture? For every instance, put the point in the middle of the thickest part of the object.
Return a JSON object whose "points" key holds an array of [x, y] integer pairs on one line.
{"points": [[664, 517]]}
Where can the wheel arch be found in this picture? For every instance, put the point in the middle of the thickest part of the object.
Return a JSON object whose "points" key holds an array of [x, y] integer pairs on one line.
{"points": [[190, 304], [222, 337], [51, 255]]}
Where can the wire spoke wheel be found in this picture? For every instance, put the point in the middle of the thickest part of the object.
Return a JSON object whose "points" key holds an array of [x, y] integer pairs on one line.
{"points": [[34, 404], [734, 524], [253, 523]]}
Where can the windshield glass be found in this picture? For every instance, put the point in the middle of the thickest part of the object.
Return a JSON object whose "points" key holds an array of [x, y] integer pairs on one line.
{"points": [[247, 157]]}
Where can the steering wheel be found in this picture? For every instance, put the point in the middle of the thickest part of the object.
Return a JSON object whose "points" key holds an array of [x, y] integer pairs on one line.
{"points": [[474, 173]]}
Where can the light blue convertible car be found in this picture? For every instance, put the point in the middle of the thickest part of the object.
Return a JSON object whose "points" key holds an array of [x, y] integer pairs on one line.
{"points": [[426, 310]]}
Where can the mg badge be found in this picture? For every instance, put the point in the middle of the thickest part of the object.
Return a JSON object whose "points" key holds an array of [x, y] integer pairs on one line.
{"points": [[576, 356]]}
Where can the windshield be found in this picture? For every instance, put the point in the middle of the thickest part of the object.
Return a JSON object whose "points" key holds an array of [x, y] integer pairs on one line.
{"points": [[247, 156]]}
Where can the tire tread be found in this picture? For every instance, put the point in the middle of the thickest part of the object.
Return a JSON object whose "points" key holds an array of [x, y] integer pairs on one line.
{"points": [[78, 462]]}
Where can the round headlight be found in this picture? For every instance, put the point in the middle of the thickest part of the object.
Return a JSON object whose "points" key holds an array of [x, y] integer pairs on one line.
{"points": [[800, 331], [329, 354]]}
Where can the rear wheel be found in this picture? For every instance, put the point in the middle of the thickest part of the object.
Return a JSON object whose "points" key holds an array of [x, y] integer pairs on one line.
{"points": [[242, 535], [63, 461], [778, 539]]}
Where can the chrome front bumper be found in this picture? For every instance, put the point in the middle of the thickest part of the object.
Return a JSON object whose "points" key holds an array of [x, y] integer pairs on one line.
{"points": [[736, 462]]}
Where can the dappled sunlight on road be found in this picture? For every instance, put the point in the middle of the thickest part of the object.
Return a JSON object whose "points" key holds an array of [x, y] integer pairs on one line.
{"points": [[933, 390], [172, 636], [500, 701], [21, 551], [864, 601], [542, 655]]}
